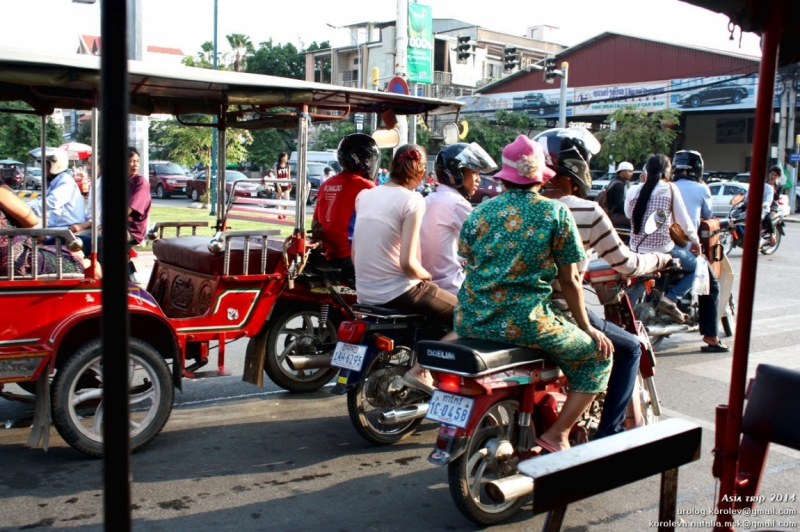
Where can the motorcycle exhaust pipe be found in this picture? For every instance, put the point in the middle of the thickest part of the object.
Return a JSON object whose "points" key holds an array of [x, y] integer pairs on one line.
{"points": [[297, 363], [509, 488], [663, 330], [399, 415]]}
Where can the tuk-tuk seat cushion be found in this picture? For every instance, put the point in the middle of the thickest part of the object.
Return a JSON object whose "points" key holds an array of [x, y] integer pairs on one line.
{"points": [[771, 409], [191, 253]]}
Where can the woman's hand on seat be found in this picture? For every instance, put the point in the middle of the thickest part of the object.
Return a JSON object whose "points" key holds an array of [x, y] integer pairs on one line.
{"points": [[695, 248], [604, 345]]}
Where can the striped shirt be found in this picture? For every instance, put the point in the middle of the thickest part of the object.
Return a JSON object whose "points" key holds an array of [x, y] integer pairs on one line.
{"points": [[598, 233]]}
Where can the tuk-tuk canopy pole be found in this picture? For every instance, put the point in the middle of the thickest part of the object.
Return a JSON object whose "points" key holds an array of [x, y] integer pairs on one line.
{"points": [[43, 140], [222, 156], [115, 324], [302, 150], [770, 38], [95, 177]]}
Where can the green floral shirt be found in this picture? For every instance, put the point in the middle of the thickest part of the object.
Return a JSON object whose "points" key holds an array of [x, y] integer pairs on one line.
{"points": [[513, 245]]}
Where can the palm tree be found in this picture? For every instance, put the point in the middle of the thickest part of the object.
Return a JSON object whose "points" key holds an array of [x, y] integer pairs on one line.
{"points": [[207, 51], [240, 44]]}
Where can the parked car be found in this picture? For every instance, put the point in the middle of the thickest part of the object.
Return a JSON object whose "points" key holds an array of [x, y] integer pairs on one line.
{"points": [[489, 188], [33, 178], [722, 194], [197, 187], [167, 178], [716, 177], [721, 92], [314, 173]]}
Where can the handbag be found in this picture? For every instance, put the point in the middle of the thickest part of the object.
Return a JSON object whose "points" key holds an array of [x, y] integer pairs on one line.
{"points": [[675, 230]]}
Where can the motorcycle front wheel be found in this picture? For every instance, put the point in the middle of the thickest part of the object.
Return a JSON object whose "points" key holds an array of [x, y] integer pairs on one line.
{"points": [[295, 327], [379, 391], [766, 249], [486, 459]]}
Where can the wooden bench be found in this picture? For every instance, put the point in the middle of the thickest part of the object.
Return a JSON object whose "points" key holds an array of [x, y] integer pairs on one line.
{"points": [[583, 471]]}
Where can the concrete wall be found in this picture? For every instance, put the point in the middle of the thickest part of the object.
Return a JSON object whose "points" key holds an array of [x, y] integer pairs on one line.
{"points": [[708, 133]]}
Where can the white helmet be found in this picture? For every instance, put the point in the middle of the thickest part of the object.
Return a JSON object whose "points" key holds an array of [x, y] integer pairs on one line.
{"points": [[58, 159]]}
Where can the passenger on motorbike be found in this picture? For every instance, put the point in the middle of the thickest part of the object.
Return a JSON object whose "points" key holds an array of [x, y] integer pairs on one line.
{"points": [[458, 168], [515, 246], [658, 193], [386, 251], [688, 170], [569, 186], [334, 214]]}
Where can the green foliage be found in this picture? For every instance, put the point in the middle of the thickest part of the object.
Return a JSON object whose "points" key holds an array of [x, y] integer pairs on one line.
{"points": [[283, 60], [268, 143], [327, 137], [188, 145], [19, 134], [240, 45], [637, 134], [494, 133]]}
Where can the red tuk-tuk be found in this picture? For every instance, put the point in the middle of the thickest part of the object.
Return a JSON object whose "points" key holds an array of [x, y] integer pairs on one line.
{"points": [[201, 290]]}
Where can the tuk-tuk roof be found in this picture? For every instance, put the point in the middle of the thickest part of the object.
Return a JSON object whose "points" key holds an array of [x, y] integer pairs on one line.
{"points": [[752, 16], [47, 82]]}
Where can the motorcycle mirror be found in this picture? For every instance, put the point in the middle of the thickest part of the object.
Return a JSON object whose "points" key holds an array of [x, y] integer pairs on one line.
{"points": [[386, 138], [654, 221], [450, 133]]}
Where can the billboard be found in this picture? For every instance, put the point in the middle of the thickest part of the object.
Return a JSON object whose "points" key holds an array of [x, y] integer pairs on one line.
{"points": [[420, 44], [718, 93], [604, 100], [536, 104]]}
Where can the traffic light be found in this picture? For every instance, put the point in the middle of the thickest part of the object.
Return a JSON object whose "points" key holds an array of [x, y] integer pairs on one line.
{"points": [[510, 58], [550, 69], [464, 48]]}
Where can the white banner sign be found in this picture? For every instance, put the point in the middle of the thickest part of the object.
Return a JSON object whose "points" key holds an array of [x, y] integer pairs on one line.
{"points": [[605, 100]]}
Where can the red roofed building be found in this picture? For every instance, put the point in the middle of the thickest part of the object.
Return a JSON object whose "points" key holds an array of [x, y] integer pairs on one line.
{"points": [[90, 45]]}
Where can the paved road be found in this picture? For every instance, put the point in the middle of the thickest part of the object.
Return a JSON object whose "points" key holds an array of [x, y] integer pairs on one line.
{"points": [[235, 457]]}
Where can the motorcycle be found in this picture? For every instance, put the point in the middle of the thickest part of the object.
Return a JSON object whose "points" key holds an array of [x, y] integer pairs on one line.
{"points": [[300, 334], [373, 354], [733, 235], [492, 399]]}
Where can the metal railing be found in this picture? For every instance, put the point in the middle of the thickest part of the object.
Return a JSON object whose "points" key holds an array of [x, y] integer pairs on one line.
{"points": [[73, 243]]}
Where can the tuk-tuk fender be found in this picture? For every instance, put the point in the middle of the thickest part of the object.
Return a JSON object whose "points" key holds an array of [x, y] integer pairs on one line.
{"points": [[146, 325]]}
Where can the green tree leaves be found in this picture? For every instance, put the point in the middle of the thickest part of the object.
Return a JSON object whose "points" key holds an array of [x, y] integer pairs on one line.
{"points": [[19, 133], [637, 134]]}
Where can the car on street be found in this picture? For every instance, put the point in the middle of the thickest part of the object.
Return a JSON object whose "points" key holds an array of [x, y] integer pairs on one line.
{"points": [[197, 187], [314, 173], [726, 92], [166, 179], [488, 188], [723, 193], [33, 178], [599, 184], [713, 176]]}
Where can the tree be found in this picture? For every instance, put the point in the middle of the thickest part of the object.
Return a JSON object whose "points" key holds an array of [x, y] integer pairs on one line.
{"points": [[495, 133], [637, 133], [240, 45], [283, 60], [204, 58], [19, 133], [268, 143], [328, 136]]}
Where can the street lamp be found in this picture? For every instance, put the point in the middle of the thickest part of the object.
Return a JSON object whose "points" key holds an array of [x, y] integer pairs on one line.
{"points": [[358, 48]]}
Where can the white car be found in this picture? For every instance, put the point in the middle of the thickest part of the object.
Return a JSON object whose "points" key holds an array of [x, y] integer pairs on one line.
{"points": [[723, 193]]}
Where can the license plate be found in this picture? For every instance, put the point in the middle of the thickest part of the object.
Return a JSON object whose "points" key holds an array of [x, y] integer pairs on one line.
{"points": [[348, 356], [253, 194], [450, 409]]}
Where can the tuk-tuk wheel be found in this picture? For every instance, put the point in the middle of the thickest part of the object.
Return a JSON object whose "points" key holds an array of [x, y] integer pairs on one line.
{"points": [[77, 397]]}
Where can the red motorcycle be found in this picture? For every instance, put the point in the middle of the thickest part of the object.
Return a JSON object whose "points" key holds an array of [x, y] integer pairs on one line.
{"points": [[492, 400]]}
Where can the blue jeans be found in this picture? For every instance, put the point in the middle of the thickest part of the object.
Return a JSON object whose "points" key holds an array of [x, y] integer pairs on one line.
{"points": [[688, 265], [708, 312], [627, 352]]}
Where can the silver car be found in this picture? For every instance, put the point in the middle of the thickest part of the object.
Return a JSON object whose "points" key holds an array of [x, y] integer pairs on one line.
{"points": [[33, 178]]}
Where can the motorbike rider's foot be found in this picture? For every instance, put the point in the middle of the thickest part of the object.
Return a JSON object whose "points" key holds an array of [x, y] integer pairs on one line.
{"points": [[668, 307], [772, 240], [714, 345], [419, 379], [549, 447]]}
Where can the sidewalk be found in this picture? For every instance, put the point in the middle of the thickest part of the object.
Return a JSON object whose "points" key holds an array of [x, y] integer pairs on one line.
{"points": [[144, 265], [793, 218]]}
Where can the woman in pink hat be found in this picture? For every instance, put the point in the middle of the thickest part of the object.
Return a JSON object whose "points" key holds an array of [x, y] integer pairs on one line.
{"points": [[515, 246]]}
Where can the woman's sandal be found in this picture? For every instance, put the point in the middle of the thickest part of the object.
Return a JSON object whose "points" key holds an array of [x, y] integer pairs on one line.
{"points": [[546, 447], [719, 347]]}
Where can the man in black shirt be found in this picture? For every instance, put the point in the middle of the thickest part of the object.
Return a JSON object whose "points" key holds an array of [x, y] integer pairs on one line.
{"points": [[616, 195]]}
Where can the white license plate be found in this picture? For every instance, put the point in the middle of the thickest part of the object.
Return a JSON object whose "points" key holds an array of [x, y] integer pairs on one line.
{"points": [[253, 194], [348, 356], [450, 409]]}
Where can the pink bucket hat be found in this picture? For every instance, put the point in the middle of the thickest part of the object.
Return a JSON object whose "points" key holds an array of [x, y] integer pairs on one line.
{"points": [[523, 163]]}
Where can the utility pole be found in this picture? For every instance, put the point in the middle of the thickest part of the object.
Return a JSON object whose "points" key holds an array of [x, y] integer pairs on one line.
{"points": [[562, 108], [792, 88], [212, 188], [138, 132], [401, 60]]}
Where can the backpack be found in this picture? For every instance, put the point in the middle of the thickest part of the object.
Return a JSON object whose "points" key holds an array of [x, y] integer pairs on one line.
{"points": [[602, 199], [617, 219]]}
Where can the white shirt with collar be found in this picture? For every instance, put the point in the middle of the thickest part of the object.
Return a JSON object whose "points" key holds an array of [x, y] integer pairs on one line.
{"points": [[445, 213]]}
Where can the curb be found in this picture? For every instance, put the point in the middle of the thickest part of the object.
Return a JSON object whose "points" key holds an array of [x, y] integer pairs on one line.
{"points": [[791, 219], [29, 194]]}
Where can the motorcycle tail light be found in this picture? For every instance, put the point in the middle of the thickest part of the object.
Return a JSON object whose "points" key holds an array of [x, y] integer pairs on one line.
{"points": [[352, 331], [447, 382], [383, 343]]}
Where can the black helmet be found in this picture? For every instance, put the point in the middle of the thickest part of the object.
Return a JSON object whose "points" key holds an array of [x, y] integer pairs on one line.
{"points": [[455, 157], [567, 151], [691, 162], [359, 153]]}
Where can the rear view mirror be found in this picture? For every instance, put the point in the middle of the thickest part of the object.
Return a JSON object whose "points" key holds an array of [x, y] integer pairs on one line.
{"points": [[386, 138], [450, 133]]}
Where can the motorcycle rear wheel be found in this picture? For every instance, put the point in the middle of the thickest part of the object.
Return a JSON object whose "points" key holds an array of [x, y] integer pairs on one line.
{"points": [[364, 406], [469, 473], [298, 324], [769, 250]]}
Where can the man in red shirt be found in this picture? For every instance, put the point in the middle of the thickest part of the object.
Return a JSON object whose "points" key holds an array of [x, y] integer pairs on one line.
{"points": [[334, 214]]}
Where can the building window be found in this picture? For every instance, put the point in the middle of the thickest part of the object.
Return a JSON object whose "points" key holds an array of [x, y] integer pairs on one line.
{"points": [[355, 61]]}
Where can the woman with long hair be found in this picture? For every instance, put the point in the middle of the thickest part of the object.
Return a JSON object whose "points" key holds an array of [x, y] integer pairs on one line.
{"points": [[282, 171], [386, 251], [658, 193]]}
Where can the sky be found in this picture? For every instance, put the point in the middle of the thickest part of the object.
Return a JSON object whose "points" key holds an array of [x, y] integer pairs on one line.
{"points": [[54, 25]]}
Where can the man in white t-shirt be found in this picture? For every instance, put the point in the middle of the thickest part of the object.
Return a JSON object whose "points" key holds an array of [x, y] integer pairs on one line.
{"points": [[458, 168]]}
